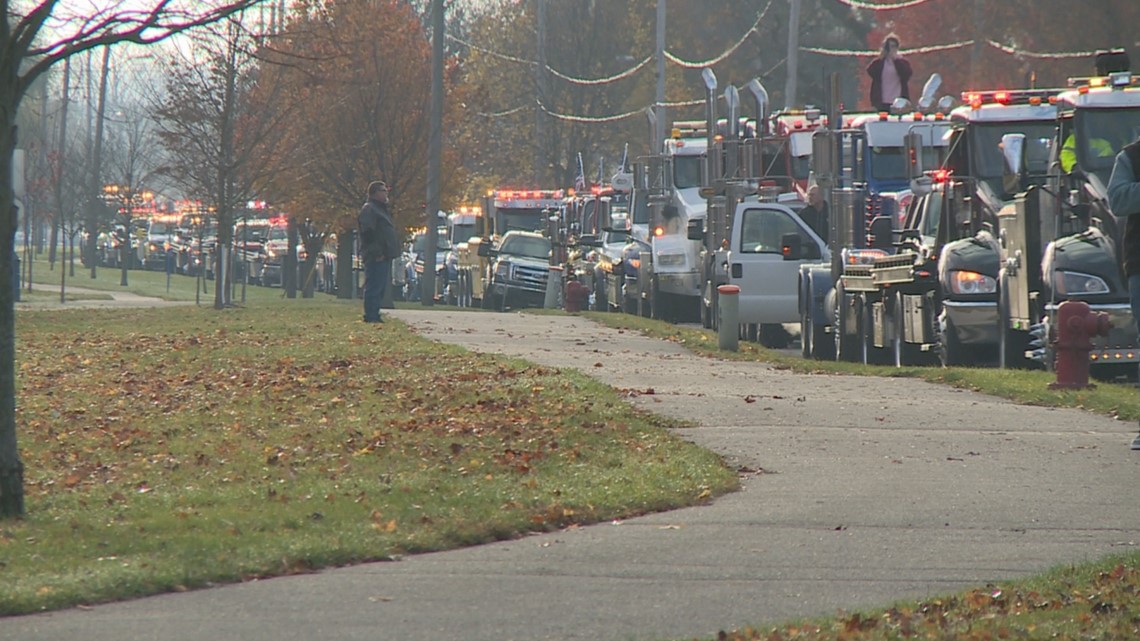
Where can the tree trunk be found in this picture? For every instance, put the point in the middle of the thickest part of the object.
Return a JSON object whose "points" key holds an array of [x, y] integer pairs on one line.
{"points": [[289, 260], [11, 468], [345, 274]]}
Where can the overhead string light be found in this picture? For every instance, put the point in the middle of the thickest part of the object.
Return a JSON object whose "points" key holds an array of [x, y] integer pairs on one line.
{"points": [[874, 6], [754, 29], [907, 52], [1013, 51], [601, 81]]}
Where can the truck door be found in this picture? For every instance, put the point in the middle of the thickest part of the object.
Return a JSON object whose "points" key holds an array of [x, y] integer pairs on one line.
{"points": [[768, 282]]}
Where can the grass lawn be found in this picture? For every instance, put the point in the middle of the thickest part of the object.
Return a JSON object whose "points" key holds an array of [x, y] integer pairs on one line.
{"points": [[169, 449]]}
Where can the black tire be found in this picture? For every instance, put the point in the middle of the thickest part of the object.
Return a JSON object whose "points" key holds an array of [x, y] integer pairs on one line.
{"points": [[630, 305], [771, 335], [600, 302]]}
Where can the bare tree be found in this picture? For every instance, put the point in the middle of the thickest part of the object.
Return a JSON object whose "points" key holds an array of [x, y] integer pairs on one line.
{"points": [[36, 37], [219, 146]]}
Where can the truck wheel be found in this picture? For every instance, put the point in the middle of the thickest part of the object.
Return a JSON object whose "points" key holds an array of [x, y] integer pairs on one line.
{"points": [[770, 335], [950, 351], [656, 303]]}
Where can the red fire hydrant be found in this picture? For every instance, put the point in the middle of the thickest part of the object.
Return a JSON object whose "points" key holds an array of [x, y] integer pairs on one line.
{"points": [[577, 296], [1076, 325]]}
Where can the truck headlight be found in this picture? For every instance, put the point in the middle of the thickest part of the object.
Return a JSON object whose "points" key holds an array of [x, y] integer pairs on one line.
{"points": [[967, 282], [502, 270], [1078, 284]]}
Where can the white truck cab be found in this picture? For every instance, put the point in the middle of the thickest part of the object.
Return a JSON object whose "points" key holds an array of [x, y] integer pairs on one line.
{"points": [[760, 264]]}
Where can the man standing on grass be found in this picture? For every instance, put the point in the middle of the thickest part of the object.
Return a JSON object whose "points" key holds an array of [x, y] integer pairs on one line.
{"points": [[1124, 199], [379, 245]]}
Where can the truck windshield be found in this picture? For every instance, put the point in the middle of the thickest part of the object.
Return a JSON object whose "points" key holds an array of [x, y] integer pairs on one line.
{"points": [[529, 246], [640, 209], [522, 219], [985, 141], [887, 162], [1103, 132], [462, 232], [686, 171]]}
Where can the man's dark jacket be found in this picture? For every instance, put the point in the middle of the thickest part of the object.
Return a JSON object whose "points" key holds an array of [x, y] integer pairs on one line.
{"points": [[378, 239]]}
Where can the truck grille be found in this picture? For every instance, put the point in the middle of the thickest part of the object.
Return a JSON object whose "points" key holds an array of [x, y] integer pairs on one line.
{"points": [[529, 277]]}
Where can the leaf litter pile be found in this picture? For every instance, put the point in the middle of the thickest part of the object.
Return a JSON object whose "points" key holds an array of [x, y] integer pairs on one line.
{"points": [[171, 449]]}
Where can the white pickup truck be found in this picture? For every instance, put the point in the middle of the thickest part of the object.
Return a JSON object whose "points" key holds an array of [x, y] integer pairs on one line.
{"points": [[768, 243]]}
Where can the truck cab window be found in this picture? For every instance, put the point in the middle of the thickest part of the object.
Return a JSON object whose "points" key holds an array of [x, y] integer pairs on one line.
{"points": [[762, 229]]}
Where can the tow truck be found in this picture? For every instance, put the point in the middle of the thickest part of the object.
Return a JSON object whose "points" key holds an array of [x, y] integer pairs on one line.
{"points": [[751, 236], [863, 166], [791, 132], [1059, 241], [463, 224], [503, 210], [667, 186], [938, 294]]}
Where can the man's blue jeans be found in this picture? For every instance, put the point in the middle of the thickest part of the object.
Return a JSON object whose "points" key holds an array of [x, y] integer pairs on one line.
{"points": [[1134, 297], [377, 273]]}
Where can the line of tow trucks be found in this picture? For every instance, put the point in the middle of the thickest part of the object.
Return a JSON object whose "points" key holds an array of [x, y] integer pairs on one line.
{"points": [[955, 230]]}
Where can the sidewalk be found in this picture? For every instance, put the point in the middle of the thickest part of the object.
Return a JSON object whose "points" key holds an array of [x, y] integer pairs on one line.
{"points": [[857, 491], [89, 299]]}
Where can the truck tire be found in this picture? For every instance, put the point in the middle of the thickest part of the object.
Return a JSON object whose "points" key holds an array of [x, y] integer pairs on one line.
{"points": [[770, 335], [600, 302]]}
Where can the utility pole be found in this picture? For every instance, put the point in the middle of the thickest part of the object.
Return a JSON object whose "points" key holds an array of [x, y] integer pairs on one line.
{"points": [[60, 177], [540, 96], [793, 54], [660, 111], [976, 50], [435, 152]]}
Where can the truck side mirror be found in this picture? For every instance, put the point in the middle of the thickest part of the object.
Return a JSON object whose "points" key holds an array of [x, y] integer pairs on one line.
{"points": [[1013, 151], [883, 231], [484, 249], [695, 230], [912, 149], [791, 246], [589, 240]]}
